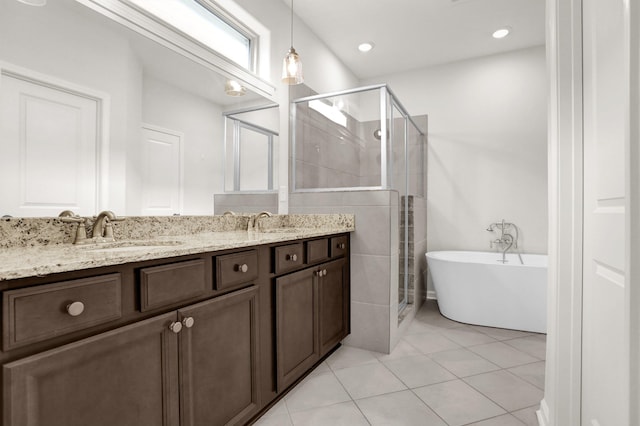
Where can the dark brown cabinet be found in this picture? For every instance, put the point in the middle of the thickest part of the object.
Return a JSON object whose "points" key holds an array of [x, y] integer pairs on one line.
{"points": [[333, 298], [219, 360], [312, 317], [296, 325], [194, 367], [125, 377], [206, 339]]}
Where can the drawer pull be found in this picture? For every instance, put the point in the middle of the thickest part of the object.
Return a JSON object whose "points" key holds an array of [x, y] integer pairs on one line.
{"points": [[188, 322], [341, 246], [175, 327], [76, 308], [242, 268], [324, 272], [292, 257]]}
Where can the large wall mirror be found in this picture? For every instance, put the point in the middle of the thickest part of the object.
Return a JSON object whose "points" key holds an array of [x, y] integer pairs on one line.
{"points": [[95, 115]]}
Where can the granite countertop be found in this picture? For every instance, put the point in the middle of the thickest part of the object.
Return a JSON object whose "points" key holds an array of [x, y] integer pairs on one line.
{"points": [[20, 261]]}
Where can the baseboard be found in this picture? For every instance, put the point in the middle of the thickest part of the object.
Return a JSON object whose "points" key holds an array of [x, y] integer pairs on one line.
{"points": [[431, 295], [543, 414]]}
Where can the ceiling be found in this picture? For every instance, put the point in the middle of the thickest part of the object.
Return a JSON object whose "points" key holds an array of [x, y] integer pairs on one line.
{"points": [[413, 34]]}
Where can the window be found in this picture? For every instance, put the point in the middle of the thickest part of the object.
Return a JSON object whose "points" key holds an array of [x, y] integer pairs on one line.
{"points": [[199, 20]]}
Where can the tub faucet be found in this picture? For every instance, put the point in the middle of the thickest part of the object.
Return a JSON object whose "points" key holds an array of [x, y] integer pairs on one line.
{"points": [[506, 240]]}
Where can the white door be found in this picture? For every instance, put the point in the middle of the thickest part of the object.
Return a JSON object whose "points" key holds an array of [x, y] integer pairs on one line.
{"points": [[49, 141], [162, 172], [605, 351]]}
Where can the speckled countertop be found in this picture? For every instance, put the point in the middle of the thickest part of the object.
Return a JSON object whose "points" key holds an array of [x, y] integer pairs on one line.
{"points": [[38, 247]]}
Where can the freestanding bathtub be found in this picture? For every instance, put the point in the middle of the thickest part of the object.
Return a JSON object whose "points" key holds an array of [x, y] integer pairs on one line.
{"points": [[477, 288]]}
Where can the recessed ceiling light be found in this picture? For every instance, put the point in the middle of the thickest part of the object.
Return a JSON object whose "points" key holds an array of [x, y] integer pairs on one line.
{"points": [[502, 32], [365, 47]]}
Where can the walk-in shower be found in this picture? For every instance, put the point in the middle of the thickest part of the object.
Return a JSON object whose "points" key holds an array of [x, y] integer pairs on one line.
{"points": [[363, 139]]}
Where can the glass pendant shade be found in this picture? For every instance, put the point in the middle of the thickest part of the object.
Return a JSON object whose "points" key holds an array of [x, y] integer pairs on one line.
{"points": [[292, 68]]}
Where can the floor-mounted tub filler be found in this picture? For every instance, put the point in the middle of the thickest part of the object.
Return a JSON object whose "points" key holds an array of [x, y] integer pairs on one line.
{"points": [[477, 288]]}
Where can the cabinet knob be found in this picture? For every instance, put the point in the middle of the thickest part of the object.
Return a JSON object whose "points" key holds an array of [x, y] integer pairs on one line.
{"points": [[292, 257], [242, 268], [324, 272], [188, 322], [175, 327], [342, 246], [76, 308]]}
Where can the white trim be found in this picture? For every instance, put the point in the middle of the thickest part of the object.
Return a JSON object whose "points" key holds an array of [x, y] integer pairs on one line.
{"points": [[180, 136], [431, 295], [633, 195], [543, 414], [103, 103], [154, 29], [564, 339]]}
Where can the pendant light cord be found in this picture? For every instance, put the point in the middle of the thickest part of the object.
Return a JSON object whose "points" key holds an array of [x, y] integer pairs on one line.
{"points": [[291, 23]]}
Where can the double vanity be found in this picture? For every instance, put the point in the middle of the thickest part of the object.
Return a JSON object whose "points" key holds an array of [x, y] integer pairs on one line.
{"points": [[179, 321]]}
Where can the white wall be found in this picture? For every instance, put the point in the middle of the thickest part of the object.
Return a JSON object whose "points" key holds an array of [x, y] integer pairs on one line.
{"points": [[487, 147]]}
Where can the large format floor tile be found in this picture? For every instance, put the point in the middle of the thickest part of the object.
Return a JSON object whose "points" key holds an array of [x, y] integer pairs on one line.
{"points": [[368, 380], [506, 389], [503, 355], [532, 345], [462, 362], [418, 371], [342, 414], [430, 342], [458, 403], [441, 373], [400, 409], [532, 373], [317, 391]]}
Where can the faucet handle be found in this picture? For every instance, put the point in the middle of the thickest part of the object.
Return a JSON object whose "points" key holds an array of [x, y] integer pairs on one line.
{"points": [[81, 231]]}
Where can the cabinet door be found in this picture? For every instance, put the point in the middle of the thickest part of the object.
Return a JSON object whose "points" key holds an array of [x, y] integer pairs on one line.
{"points": [[296, 325], [333, 304], [125, 377], [219, 360]]}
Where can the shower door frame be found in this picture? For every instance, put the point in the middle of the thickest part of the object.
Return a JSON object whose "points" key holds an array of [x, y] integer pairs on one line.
{"points": [[388, 101]]}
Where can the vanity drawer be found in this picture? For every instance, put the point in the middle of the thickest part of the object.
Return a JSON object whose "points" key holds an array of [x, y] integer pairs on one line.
{"points": [[288, 257], [317, 250], [338, 246], [168, 284], [237, 268], [38, 313]]}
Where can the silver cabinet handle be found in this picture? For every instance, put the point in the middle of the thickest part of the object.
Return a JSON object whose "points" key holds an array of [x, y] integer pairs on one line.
{"points": [[175, 327], [292, 257], [242, 268], [188, 322], [342, 246], [324, 272], [76, 308]]}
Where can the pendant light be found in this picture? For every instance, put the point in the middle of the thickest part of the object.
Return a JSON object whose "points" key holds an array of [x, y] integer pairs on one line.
{"points": [[292, 65]]}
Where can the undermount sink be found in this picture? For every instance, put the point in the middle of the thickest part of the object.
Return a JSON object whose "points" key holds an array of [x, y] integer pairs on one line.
{"points": [[279, 230], [124, 246]]}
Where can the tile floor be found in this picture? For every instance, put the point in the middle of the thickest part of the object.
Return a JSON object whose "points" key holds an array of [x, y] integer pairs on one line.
{"points": [[442, 373]]}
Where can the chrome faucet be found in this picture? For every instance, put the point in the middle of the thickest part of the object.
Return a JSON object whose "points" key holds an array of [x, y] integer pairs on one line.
{"points": [[506, 240], [253, 219]]}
